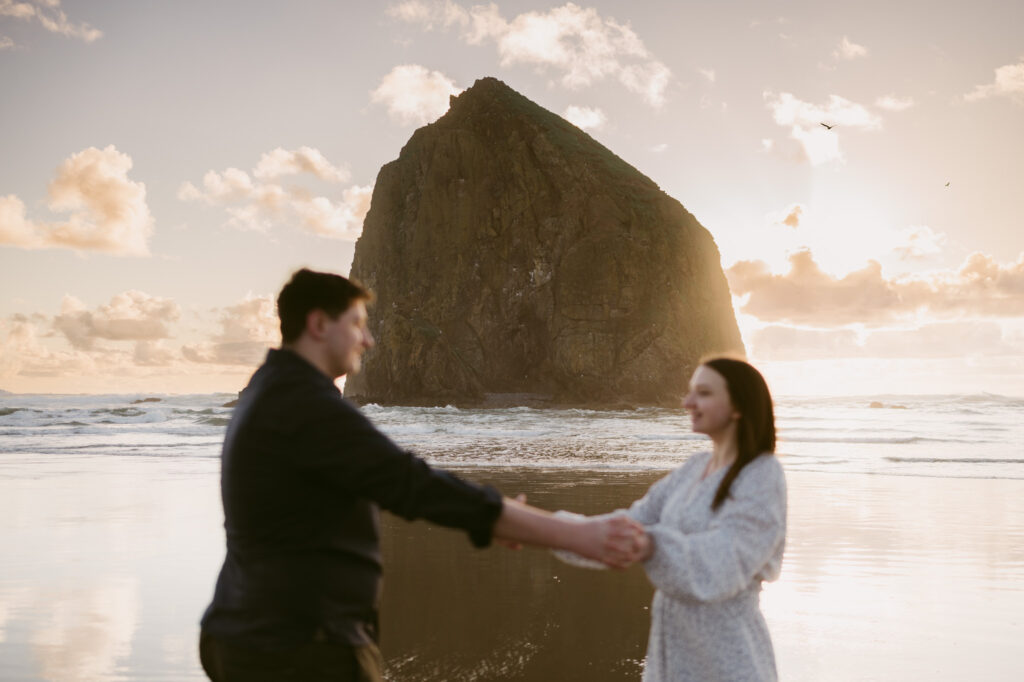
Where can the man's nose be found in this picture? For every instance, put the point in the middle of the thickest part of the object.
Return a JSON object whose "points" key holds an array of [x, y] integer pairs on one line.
{"points": [[368, 339]]}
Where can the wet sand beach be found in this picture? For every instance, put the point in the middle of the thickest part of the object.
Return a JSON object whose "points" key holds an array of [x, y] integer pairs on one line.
{"points": [[885, 578], [110, 561]]}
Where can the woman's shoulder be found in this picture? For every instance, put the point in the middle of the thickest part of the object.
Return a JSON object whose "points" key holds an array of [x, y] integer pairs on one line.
{"points": [[763, 470], [697, 460]]}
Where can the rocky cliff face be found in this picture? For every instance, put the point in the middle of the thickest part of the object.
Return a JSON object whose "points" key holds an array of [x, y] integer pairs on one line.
{"points": [[515, 260]]}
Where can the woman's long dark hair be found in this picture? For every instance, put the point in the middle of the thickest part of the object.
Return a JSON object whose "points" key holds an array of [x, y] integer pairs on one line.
{"points": [[755, 428]]}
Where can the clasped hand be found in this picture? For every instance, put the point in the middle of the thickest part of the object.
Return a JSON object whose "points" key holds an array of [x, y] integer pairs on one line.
{"points": [[618, 541]]}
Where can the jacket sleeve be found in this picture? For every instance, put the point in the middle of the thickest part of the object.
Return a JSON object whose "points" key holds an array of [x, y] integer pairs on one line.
{"points": [[723, 560], [349, 452]]}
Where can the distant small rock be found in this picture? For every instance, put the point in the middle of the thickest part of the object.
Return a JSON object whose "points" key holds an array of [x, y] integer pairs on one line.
{"points": [[876, 404], [147, 400], [230, 403]]}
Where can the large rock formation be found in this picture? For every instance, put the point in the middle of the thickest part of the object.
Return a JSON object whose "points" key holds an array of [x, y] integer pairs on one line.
{"points": [[515, 260]]}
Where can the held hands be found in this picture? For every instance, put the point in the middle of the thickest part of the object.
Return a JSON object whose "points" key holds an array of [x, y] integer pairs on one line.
{"points": [[615, 540]]}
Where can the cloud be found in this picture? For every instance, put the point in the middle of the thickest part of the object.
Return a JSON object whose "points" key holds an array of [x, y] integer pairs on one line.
{"points": [[791, 216], [6, 43], [130, 316], [894, 103], [96, 338], [919, 242], [281, 162], [805, 294], [134, 342], [108, 210], [576, 42], [24, 353], [255, 202], [790, 111], [153, 354], [414, 95], [939, 340], [804, 121], [708, 74], [1009, 82], [432, 15], [585, 118], [248, 329], [778, 342], [50, 17], [849, 50]]}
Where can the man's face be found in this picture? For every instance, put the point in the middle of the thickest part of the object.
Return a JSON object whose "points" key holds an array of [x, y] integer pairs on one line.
{"points": [[347, 338]]}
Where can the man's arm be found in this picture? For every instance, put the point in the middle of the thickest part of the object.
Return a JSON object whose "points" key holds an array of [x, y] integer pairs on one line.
{"points": [[616, 540]]}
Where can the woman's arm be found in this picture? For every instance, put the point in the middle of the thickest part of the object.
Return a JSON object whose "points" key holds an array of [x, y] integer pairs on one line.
{"points": [[723, 560], [614, 540]]}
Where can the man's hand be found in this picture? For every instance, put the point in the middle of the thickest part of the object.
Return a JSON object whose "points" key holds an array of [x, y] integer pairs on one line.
{"points": [[512, 544], [616, 540]]}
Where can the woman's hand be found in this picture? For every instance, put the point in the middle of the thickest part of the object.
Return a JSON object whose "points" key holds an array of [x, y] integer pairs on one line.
{"points": [[645, 546], [615, 540]]}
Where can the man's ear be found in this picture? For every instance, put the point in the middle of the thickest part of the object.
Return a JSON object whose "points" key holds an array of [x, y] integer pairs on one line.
{"points": [[316, 324]]}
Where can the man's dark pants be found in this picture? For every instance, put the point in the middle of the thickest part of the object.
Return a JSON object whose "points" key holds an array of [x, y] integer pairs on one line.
{"points": [[312, 662]]}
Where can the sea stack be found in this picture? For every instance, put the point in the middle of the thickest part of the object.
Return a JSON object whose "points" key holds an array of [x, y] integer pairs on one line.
{"points": [[517, 261]]}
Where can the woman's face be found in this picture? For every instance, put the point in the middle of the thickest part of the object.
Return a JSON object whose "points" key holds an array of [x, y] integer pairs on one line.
{"points": [[709, 404]]}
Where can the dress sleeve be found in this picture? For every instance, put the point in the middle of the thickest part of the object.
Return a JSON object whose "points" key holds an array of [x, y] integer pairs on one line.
{"points": [[647, 510], [350, 452], [744, 535]]}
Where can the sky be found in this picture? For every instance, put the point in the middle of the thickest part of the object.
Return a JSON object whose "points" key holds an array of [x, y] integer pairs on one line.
{"points": [[166, 166]]}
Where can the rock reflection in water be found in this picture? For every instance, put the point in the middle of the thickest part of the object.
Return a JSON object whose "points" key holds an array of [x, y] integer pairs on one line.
{"points": [[454, 613]]}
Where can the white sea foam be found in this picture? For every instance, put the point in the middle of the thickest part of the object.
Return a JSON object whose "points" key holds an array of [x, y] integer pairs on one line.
{"points": [[975, 435]]}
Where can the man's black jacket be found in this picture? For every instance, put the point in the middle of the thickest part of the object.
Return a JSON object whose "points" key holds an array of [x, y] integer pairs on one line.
{"points": [[302, 475]]}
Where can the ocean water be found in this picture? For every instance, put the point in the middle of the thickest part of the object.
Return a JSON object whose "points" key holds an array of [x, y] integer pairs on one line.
{"points": [[980, 436], [905, 552]]}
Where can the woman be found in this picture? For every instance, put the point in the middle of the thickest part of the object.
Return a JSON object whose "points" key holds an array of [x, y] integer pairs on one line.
{"points": [[716, 528]]}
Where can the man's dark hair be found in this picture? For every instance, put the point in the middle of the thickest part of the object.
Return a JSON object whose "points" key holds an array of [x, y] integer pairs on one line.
{"points": [[307, 291]]}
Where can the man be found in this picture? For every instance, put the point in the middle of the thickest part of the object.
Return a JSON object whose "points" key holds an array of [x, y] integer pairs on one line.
{"points": [[303, 475]]}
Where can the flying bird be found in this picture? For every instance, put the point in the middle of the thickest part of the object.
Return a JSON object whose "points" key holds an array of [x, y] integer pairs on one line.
{"points": [[830, 127], [947, 184]]}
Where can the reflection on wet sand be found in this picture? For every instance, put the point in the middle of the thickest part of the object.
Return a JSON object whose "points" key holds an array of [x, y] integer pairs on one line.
{"points": [[88, 629], [450, 612], [885, 578], [82, 629]]}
